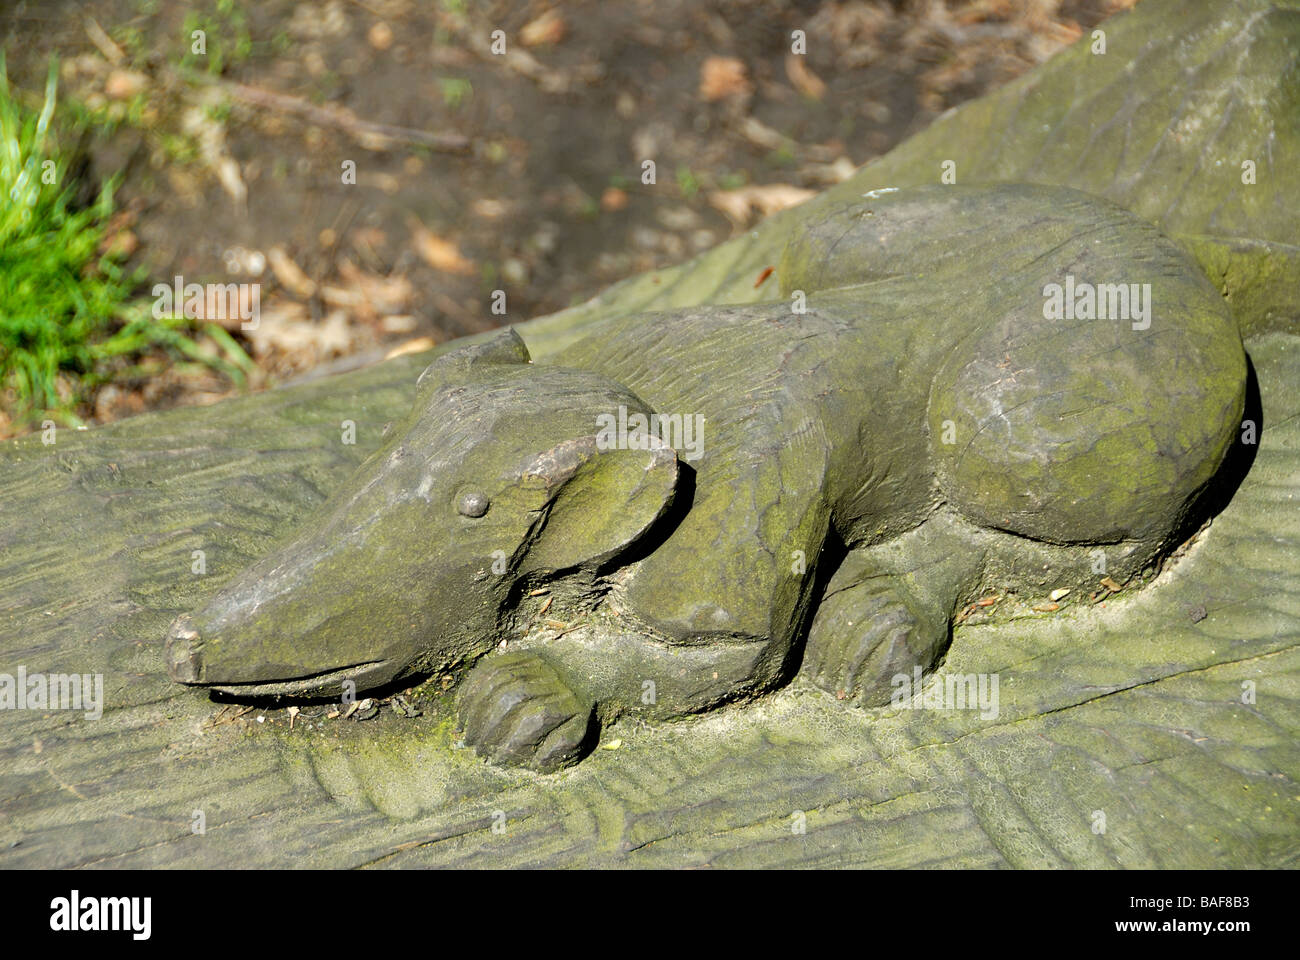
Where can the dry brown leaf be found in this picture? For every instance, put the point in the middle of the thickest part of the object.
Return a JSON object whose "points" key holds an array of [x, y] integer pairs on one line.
{"points": [[385, 294], [342, 297], [418, 345], [803, 79], [398, 323], [722, 77], [767, 199], [733, 203], [197, 121], [380, 35], [439, 253], [1066, 33], [290, 274], [761, 135], [275, 316], [286, 327], [613, 199], [227, 171], [546, 29], [120, 244], [111, 51], [489, 208], [124, 84], [381, 181]]}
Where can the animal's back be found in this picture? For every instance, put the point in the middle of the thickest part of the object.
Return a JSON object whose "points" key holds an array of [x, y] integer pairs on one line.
{"points": [[922, 373]]}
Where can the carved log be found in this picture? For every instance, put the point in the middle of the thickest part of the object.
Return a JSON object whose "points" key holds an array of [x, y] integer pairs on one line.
{"points": [[1151, 731]]}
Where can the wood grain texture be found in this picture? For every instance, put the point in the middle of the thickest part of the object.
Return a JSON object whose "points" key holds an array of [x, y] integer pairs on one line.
{"points": [[1132, 709]]}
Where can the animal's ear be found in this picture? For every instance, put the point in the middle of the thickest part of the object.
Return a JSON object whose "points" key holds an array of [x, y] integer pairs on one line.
{"points": [[500, 347], [601, 501]]}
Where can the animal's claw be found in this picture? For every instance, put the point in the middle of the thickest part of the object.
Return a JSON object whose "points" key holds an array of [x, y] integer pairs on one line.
{"points": [[865, 636], [517, 709]]}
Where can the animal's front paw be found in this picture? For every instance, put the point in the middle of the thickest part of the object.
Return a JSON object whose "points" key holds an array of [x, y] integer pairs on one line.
{"points": [[866, 634], [516, 709]]}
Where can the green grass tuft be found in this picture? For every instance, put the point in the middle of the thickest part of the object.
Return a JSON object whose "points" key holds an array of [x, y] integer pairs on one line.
{"points": [[64, 309]]}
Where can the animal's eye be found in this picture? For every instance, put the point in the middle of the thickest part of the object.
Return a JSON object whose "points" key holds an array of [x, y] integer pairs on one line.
{"points": [[472, 504]]}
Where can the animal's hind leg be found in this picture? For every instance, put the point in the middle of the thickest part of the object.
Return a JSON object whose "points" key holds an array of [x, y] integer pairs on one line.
{"points": [[887, 610]]}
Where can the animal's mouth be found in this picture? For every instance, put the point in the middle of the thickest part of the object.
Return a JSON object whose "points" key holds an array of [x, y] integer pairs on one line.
{"points": [[364, 675], [187, 656]]}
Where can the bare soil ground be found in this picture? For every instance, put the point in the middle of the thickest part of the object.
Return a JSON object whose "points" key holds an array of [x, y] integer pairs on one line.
{"points": [[477, 171]]}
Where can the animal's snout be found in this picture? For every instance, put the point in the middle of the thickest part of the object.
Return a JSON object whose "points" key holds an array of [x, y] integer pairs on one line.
{"points": [[207, 657], [182, 651]]}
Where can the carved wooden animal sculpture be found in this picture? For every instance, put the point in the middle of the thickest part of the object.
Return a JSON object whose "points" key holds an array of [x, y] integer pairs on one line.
{"points": [[962, 390]]}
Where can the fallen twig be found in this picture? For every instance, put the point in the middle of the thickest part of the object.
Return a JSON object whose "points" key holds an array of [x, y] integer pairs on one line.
{"points": [[372, 135]]}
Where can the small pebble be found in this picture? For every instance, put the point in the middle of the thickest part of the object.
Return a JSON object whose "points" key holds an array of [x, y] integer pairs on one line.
{"points": [[404, 707]]}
